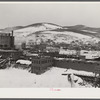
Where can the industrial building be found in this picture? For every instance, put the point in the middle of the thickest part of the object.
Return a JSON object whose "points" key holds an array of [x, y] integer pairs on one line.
{"points": [[6, 40], [7, 48], [41, 64]]}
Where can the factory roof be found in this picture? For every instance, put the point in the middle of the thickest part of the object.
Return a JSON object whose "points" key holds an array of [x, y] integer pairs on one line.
{"points": [[81, 60], [2, 50]]}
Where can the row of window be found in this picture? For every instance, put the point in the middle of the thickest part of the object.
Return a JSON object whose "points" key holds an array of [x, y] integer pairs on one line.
{"points": [[42, 62], [2, 46], [5, 35], [79, 62], [37, 68]]}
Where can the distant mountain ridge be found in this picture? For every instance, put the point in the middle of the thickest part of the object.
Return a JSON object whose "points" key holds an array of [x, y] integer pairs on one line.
{"points": [[79, 35], [83, 27], [8, 29], [75, 27]]}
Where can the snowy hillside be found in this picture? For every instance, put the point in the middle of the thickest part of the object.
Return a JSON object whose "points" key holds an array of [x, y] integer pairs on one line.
{"points": [[22, 34], [31, 29], [83, 27], [79, 34], [57, 37]]}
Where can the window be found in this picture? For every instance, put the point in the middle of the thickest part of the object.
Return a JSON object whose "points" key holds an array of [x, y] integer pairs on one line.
{"points": [[34, 62], [5, 45], [43, 62], [38, 62], [1, 46]]}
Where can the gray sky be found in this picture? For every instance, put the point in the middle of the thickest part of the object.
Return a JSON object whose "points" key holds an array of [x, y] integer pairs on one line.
{"points": [[14, 14]]}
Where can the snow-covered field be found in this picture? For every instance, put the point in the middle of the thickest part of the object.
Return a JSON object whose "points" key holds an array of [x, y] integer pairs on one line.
{"points": [[22, 78], [13, 77]]}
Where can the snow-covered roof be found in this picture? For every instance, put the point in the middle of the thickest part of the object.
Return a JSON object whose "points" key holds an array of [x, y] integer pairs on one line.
{"points": [[27, 62], [77, 72], [72, 59], [33, 54], [1, 50], [62, 51], [59, 58]]}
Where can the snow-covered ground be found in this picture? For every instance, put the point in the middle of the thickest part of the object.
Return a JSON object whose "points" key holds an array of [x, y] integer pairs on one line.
{"points": [[22, 78], [69, 33], [13, 77]]}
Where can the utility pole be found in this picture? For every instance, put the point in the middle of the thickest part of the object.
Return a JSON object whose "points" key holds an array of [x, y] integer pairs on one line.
{"points": [[70, 79], [97, 78], [95, 81]]}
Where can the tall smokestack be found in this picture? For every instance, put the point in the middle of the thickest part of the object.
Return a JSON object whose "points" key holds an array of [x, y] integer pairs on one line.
{"points": [[12, 32]]}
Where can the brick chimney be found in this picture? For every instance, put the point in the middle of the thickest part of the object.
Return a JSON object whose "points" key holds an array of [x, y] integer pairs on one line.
{"points": [[12, 32]]}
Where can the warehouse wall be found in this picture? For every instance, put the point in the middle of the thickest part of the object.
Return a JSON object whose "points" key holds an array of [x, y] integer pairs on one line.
{"points": [[77, 65]]}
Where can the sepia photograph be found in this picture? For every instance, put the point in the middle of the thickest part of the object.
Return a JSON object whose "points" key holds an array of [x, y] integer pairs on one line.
{"points": [[50, 45]]}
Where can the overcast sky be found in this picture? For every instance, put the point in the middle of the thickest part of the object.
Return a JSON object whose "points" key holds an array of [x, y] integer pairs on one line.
{"points": [[66, 14]]}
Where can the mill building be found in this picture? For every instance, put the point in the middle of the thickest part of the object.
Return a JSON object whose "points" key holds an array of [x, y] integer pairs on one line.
{"points": [[6, 40]]}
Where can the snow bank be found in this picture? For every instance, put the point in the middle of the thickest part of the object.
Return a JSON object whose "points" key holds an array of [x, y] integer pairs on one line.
{"points": [[77, 79], [77, 82]]}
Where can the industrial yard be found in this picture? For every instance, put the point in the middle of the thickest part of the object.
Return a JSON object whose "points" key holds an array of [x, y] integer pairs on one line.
{"points": [[43, 48]]}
